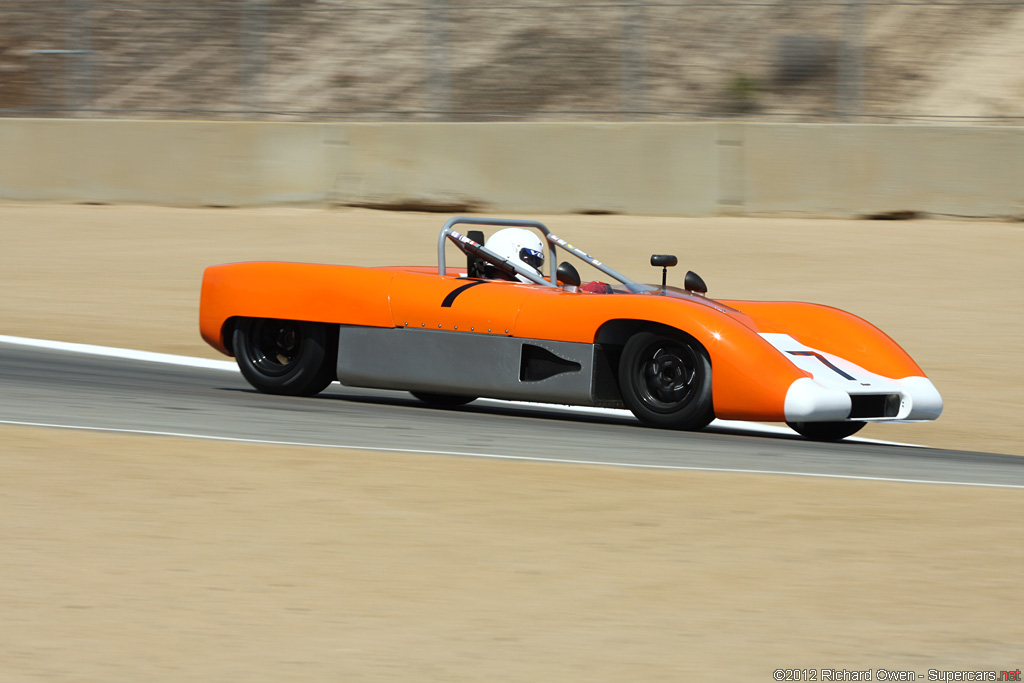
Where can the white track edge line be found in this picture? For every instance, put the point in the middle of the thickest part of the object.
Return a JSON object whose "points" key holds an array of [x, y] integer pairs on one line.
{"points": [[192, 361], [113, 352], [496, 456]]}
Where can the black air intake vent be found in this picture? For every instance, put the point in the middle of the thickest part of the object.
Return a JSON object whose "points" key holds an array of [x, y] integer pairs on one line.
{"points": [[875, 405], [538, 363]]}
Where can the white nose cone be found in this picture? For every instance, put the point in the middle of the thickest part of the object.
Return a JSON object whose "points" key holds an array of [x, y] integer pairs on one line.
{"points": [[925, 400], [808, 401]]}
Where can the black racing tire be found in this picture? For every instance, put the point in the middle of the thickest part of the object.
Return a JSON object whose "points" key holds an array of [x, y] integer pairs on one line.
{"points": [[443, 400], [826, 431], [665, 380], [286, 357]]}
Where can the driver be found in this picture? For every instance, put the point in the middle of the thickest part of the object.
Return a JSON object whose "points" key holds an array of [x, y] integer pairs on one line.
{"points": [[518, 246]]}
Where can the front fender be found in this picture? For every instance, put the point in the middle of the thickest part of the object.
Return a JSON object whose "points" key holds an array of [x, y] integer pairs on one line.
{"points": [[834, 331], [750, 377]]}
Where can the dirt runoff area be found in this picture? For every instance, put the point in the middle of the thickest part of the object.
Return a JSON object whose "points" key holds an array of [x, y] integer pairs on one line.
{"points": [[125, 558]]}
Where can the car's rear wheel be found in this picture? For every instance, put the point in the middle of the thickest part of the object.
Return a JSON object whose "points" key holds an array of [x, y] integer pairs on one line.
{"points": [[289, 357], [826, 431], [665, 379], [442, 400]]}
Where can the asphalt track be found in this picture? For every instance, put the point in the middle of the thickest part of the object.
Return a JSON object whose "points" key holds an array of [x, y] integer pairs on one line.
{"points": [[74, 390]]}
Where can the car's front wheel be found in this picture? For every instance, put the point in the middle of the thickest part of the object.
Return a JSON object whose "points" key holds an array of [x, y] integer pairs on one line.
{"points": [[665, 379], [826, 431], [289, 357]]}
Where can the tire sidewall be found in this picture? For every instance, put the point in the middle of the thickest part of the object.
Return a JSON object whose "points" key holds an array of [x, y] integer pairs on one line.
{"points": [[443, 400], [826, 431], [311, 368], [696, 413]]}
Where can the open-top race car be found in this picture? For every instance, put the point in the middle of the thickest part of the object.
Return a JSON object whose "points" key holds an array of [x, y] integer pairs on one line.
{"points": [[500, 328]]}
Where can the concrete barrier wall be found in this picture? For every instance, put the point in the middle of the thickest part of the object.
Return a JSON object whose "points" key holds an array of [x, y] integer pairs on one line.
{"points": [[638, 168], [842, 170]]}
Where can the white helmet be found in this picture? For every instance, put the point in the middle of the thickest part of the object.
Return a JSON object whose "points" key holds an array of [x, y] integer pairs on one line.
{"points": [[518, 246]]}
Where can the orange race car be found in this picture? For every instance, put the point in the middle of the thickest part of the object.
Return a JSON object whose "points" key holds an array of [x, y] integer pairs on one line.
{"points": [[500, 328]]}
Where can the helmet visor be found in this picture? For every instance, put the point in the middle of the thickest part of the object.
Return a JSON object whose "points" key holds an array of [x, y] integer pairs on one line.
{"points": [[532, 257]]}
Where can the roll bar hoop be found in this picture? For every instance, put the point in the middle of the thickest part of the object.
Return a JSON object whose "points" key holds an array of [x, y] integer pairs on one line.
{"points": [[472, 247]]}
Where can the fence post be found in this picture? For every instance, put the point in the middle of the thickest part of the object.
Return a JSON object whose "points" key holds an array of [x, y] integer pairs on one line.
{"points": [[851, 61], [79, 54], [633, 43], [438, 69], [254, 25]]}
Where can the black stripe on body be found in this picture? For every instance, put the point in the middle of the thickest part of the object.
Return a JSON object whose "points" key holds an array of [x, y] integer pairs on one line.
{"points": [[450, 299], [824, 361]]}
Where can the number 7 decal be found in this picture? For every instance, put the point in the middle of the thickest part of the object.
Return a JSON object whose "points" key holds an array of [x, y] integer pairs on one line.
{"points": [[450, 299], [824, 361]]}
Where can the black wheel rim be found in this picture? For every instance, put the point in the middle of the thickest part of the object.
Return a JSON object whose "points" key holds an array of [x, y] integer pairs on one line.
{"points": [[667, 376], [274, 346]]}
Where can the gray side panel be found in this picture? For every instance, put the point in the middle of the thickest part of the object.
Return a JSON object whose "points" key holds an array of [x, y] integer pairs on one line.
{"points": [[458, 363]]}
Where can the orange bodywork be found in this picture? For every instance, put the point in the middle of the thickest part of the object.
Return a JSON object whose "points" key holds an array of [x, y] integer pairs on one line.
{"points": [[292, 291], [750, 377], [835, 331]]}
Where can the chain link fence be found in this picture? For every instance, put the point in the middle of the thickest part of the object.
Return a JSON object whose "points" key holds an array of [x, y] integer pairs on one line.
{"points": [[489, 60]]}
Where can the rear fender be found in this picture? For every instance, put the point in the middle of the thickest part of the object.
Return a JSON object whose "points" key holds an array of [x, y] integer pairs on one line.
{"points": [[293, 291]]}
